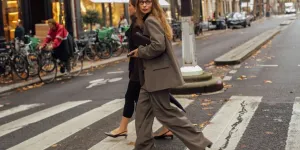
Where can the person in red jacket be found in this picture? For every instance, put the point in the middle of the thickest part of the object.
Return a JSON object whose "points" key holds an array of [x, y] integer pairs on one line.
{"points": [[61, 42]]}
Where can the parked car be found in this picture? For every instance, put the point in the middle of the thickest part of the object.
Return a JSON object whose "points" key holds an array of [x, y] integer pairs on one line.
{"points": [[238, 19]]}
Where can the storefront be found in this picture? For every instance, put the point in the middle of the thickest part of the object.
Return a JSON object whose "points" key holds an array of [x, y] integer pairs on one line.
{"points": [[110, 13], [32, 13], [9, 17]]}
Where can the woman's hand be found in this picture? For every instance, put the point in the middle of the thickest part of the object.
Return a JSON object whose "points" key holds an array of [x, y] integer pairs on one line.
{"points": [[133, 53]]}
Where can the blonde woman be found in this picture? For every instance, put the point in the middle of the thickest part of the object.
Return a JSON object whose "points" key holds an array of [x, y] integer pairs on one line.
{"points": [[160, 72]]}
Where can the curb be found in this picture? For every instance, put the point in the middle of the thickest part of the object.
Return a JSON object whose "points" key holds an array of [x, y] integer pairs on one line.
{"points": [[203, 77], [36, 80], [215, 84], [240, 53], [209, 34], [284, 23]]}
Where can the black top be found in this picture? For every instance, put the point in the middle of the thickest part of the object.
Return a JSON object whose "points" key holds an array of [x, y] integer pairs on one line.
{"points": [[133, 43]]}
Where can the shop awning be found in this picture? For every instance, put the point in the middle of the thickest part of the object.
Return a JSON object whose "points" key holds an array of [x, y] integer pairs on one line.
{"points": [[163, 3], [110, 1]]}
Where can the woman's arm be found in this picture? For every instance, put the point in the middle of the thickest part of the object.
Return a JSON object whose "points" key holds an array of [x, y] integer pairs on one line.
{"points": [[157, 38]]}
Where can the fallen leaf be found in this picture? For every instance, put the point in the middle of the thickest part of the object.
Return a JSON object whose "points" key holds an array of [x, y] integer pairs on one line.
{"points": [[209, 114], [194, 95], [205, 104], [206, 100], [24, 89], [202, 125], [55, 145], [258, 59], [30, 87], [268, 81], [227, 86], [226, 100], [131, 143], [207, 108], [243, 146], [269, 132], [252, 76], [39, 84]]}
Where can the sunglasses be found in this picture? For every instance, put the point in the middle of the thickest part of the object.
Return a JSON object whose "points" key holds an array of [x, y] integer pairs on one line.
{"points": [[145, 2]]}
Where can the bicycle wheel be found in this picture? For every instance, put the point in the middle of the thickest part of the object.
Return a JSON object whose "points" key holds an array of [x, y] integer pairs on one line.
{"points": [[33, 64], [77, 63], [117, 49], [47, 69], [90, 53], [20, 67], [104, 50]]}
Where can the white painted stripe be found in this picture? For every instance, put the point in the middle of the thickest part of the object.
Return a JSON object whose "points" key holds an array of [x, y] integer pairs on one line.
{"points": [[221, 124], [292, 142], [227, 78], [17, 109], [232, 71], [1, 105], [116, 72], [121, 143], [114, 80], [66, 129], [267, 65], [38, 116]]}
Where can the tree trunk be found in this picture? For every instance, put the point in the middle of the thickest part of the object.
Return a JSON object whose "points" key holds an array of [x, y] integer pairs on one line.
{"points": [[173, 11], [260, 8], [178, 9], [233, 6], [196, 10], [254, 8], [217, 9]]}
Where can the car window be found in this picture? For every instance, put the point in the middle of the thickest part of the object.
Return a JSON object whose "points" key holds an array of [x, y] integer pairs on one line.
{"points": [[237, 15]]}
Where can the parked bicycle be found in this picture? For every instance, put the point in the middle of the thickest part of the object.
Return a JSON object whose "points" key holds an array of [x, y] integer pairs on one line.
{"points": [[49, 65], [11, 62]]}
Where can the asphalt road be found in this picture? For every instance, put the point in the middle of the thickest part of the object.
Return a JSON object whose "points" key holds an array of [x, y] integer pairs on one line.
{"points": [[268, 128]]}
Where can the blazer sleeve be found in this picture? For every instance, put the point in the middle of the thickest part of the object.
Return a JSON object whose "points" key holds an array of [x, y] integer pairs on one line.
{"points": [[157, 38]]}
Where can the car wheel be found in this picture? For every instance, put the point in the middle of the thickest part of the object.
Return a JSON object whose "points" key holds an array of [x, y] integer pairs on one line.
{"points": [[249, 24]]}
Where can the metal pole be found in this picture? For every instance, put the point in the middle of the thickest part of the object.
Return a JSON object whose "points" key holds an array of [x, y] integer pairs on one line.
{"points": [[190, 67]]}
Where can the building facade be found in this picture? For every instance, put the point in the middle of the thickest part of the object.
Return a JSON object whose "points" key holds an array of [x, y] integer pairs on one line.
{"points": [[32, 12]]}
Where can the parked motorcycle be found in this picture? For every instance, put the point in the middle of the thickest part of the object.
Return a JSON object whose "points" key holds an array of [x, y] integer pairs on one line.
{"points": [[177, 32]]}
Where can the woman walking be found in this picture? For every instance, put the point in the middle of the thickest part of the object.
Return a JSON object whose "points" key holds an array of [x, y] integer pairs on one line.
{"points": [[159, 73], [134, 85]]}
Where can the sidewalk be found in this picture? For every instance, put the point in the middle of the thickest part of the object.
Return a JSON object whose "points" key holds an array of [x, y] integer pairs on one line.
{"points": [[17, 83]]}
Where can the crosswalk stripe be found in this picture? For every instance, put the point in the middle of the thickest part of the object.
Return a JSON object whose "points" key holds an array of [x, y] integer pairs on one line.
{"points": [[38, 116], [229, 123], [64, 130], [121, 144], [292, 142], [17, 109]]}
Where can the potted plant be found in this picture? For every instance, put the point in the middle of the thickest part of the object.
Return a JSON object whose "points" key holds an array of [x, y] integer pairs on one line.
{"points": [[91, 17]]}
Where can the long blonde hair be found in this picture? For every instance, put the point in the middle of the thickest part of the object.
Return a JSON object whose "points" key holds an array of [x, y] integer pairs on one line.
{"points": [[159, 14]]}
